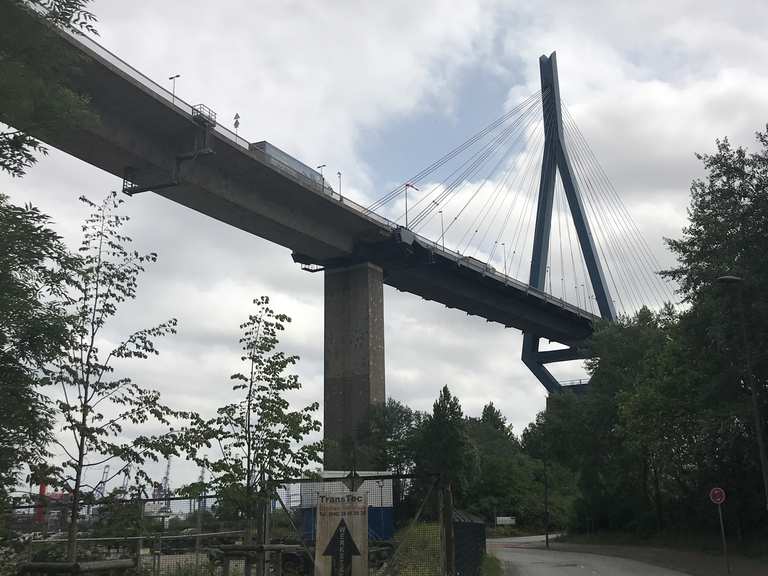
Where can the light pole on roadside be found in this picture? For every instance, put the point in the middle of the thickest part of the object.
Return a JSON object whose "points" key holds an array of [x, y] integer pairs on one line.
{"points": [[173, 86], [546, 502], [339, 175], [738, 283]]}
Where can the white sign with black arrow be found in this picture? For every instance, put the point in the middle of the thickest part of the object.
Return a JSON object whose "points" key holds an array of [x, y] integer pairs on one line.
{"points": [[341, 545], [341, 549]]}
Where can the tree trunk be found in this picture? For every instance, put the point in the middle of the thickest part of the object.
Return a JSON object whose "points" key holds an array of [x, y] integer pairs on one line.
{"points": [[260, 535], [74, 510], [646, 494], [248, 537], [657, 498]]}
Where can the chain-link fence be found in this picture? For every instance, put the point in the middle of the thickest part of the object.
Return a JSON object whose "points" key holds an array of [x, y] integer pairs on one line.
{"points": [[394, 526], [402, 523]]}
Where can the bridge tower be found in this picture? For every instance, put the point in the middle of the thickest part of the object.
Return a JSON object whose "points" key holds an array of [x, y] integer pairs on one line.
{"points": [[557, 160]]}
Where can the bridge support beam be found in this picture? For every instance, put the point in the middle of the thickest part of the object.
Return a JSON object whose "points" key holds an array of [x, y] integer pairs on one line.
{"points": [[354, 363]]}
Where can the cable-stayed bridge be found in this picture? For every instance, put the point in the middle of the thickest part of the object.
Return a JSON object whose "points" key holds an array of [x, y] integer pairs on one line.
{"points": [[518, 224]]}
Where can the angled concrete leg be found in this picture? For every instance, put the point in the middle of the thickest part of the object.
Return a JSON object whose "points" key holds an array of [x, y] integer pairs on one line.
{"points": [[354, 362]]}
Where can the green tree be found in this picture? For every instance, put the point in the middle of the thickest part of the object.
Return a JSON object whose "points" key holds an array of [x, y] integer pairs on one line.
{"points": [[94, 404], [34, 278], [498, 453], [114, 517], [259, 441], [656, 430], [392, 427], [35, 95], [726, 236], [443, 447], [493, 417]]}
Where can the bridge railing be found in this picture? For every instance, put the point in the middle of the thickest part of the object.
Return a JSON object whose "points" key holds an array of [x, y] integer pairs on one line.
{"points": [[488, 270], [317, 185], [89, 45], [138, 78]]}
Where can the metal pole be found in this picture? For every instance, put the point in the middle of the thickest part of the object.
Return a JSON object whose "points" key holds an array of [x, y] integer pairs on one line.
{"points": [[546, 479], [322, 177], [140, 541], [407, 185], [173, 87], [406, 205], [156, 553], [722, 535], [339, 174], [442, 229], [546, 503], [197, 539], [756, 407], [504, 248]]}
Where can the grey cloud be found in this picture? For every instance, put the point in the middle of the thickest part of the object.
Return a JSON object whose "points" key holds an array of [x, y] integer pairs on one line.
{"points": [[319, 80]]}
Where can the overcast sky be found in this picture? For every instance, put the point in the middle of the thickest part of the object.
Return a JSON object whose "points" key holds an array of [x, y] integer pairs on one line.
{"points": [[376, 90]]}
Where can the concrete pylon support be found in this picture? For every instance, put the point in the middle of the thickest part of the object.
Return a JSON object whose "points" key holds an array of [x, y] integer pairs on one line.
{"points": [[354, 362]]}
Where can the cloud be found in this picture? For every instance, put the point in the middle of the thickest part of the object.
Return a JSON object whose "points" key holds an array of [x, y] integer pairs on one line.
{"points": [[648, 83], [309, 77]]}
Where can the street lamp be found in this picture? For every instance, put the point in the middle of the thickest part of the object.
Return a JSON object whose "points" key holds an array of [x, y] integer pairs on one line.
{"points": [[738, 282], [321, 175], [408, 185], [339, 175], [173, 89], [504, 248], [442, 229]]}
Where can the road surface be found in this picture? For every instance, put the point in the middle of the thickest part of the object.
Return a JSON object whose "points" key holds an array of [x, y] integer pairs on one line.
{"points": [[523, 557]]}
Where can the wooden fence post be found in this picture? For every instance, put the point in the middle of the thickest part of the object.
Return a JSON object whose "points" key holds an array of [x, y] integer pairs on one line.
{"points": [[445, 507], [450, 542]]}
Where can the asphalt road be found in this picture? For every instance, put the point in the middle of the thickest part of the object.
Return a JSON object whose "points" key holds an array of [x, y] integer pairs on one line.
{"points": [[519, 559]]}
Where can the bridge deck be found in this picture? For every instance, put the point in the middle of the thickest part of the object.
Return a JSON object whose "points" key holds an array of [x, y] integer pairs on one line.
{"points": [[145, 129]]}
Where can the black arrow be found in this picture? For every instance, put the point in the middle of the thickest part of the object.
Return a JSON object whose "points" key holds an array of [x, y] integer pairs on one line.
{"points": [[341, 548]]}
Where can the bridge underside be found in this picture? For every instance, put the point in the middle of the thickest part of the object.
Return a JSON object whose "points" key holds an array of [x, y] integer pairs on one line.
{"points": [[158, 145], [411, 265]]}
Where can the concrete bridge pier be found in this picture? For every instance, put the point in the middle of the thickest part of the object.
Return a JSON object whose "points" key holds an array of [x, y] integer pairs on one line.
{"points": [[354, 362]]}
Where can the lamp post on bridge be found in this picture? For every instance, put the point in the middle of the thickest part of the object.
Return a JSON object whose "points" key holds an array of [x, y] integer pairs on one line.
{"points": [[504, 248], [738, 283], [173, 86], [442, 229], [322, 178], [408, 185]]}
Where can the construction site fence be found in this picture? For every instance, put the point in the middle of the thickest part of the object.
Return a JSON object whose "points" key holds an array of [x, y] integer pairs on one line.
{"points": [[205, 536]]}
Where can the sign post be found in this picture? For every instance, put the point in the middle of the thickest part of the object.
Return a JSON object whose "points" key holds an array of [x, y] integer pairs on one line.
{"points": [[341, 545], [717, 496]]}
